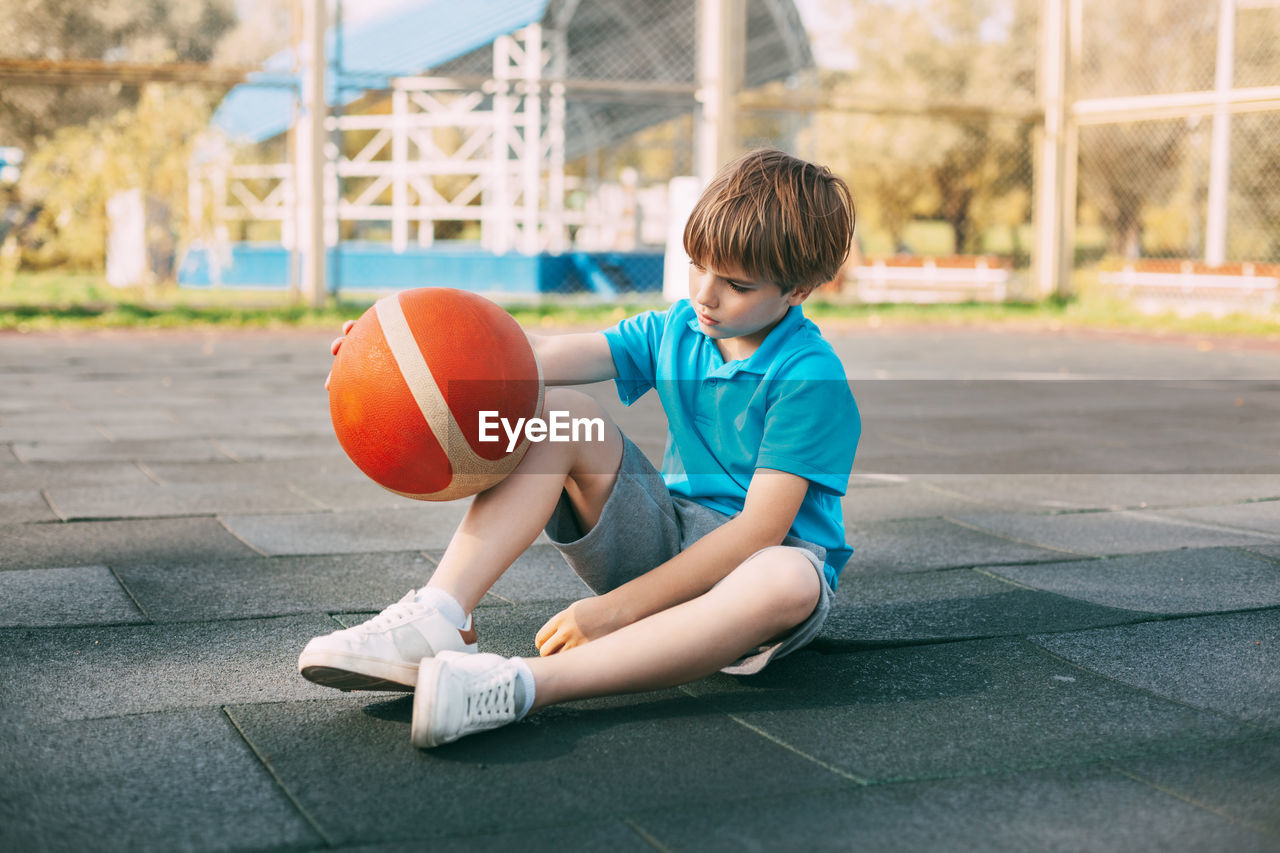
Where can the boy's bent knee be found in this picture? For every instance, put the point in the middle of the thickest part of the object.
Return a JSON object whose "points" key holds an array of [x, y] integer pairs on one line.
{"points": [[573, 401], [590, 454], [584, 424], [559, 397], [576, 432], [785, 579]]}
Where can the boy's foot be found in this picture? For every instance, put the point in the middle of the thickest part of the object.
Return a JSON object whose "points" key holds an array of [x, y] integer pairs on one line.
{"points": [[383, 653], [463, 694]]}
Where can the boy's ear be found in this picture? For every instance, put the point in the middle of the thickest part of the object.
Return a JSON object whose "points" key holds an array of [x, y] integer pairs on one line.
{"points": [[800, 294]]}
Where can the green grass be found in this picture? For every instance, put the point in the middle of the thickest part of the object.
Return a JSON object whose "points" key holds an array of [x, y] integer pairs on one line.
{"points": [[59, 301], [50, 301], [1051, 315]]}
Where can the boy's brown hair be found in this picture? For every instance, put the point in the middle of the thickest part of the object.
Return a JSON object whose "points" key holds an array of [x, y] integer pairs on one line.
{"points": [[777, 217]]}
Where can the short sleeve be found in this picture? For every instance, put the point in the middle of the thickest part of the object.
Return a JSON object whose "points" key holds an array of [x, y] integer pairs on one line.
{"points": [[634, 345], [812, 425]]}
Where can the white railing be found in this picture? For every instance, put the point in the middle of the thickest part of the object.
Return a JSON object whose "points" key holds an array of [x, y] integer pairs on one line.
{"points": [[1188, 290], [883, 282]]}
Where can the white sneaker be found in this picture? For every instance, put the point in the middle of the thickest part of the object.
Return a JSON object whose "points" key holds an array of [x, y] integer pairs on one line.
{"points": [[463, 694], [383, 653]]}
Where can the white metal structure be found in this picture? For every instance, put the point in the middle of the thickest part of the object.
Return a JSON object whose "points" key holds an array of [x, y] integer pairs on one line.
{"points": [[481, 151], [446, 145]]}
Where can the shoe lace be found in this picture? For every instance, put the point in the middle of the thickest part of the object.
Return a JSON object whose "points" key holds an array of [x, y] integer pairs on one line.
{"points": [[492, 701], [394, 614]]}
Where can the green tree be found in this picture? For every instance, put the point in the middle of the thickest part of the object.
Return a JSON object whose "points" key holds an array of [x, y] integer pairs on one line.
{"points": [[85, 142], [70, 178], [1139, 48], [120, 30], [950, 165], [265, 28]]}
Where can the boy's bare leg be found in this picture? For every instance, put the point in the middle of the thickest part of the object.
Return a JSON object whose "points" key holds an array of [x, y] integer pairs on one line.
{"points": [[505, 520], [765, 597], [384, 653]]}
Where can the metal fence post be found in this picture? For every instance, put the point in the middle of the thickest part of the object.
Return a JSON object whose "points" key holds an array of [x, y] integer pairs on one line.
{"points": [[721, 34], [312, 154], [1215, 251], [1055, 170]]}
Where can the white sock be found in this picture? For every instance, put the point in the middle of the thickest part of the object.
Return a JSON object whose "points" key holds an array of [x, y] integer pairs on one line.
{"points": [[445, 603], [524, 687]]}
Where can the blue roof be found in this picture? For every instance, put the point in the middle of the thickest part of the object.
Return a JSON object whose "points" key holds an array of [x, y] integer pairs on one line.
{"points": [[410, 38]]}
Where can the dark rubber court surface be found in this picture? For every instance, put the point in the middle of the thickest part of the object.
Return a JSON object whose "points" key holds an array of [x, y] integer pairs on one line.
{"points": [[1060, 631]]}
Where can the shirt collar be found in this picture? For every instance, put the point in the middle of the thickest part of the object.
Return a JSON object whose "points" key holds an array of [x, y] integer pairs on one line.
{"points": [[758, 362]]}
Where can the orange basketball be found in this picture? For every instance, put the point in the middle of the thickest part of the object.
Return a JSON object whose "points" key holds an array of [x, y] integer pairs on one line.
{"points": [[411, 382]]}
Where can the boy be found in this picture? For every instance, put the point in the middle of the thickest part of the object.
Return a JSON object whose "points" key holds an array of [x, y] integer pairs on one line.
{"points": [[726, 559]]}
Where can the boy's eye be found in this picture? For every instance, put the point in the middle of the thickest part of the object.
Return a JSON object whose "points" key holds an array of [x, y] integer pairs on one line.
{"points": [[737, 288]]}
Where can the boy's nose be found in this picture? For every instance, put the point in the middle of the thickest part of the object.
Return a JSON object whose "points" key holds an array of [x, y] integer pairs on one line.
{"points": [[706, 293]]}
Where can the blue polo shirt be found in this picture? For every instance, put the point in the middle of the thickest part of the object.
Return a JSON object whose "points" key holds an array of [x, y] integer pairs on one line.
{"points": [[787, 406]]}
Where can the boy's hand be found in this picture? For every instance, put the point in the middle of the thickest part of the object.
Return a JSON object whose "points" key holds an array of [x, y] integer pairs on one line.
{"points": [[337, 345], [578, 623]]}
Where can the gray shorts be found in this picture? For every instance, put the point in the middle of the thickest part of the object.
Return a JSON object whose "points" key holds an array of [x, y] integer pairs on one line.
{"points": [[643, 525]]}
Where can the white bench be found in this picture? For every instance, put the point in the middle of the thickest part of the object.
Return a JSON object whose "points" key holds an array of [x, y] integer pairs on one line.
{"points": [[930, 283], [1191, 292]]}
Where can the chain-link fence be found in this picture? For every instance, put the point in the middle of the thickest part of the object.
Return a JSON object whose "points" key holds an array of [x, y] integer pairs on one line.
{"points": [[535, 149], [934, 128], [1179, 173]]}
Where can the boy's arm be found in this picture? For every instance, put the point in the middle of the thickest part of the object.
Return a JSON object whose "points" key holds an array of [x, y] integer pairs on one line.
{"points": [[573, 359], [773, 499]]}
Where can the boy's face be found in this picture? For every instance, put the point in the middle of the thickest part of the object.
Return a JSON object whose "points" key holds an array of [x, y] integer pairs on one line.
{"points": [[735, 310]]}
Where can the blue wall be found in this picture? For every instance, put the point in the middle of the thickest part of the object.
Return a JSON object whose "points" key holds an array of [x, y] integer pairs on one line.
{"points": [[374, 266]]}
